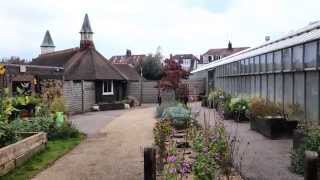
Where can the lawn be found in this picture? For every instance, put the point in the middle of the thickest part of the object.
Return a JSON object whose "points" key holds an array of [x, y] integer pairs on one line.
{"points": [[55, 149]]}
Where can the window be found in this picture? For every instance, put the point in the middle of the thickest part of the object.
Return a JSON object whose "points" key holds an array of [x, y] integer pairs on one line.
{"points": [[310, 55], [257, 64], [107, 87], [286, 57], [297, 57], [209, 58], [263, 63], [270, 62], [277, 61]]}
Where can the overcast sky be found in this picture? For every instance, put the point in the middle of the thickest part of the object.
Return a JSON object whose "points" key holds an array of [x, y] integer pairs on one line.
{"points": [[178, 26]]}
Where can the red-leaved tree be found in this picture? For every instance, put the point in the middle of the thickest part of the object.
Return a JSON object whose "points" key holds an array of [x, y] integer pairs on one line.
{"points": [[172, 76]]}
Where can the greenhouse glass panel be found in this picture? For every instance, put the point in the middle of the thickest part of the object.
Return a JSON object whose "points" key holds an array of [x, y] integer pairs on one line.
{"points": [[286, 55], [242, 67], [310, 55], [247, 66], [252, 65], [257, 89], [269, 62], [288, 88], [264, 86], [253, 85], [277, 61], [279, 88], [312, 96], [263, 63], [271, 87], [257, 64], [297, 57], [299, 86]]}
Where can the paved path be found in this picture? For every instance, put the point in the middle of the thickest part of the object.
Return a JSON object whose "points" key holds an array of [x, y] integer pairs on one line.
{"points": [[115, 153], [263, 159]]}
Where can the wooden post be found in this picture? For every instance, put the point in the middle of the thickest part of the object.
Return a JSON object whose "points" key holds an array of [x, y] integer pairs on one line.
{"points": [[310, 165], [150, 163]]}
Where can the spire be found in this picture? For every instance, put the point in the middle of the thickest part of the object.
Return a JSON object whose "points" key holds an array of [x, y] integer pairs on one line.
{"points": [[86, 33], [86, 27], [47, 40], [47, 45]]}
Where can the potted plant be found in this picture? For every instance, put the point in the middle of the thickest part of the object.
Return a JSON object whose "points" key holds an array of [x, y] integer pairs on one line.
{"points": [[269, 119], [238, 107]]}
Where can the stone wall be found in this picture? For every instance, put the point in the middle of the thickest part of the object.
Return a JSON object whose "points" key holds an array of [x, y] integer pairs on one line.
{"points": [[79, 97], [16, 154]]}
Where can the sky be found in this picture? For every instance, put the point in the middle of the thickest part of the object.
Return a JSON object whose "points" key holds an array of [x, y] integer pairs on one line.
{"points": [[177, 26]]}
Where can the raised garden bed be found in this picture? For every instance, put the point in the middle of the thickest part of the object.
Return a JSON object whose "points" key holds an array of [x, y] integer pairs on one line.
{"points": [[111, 106], [273, 127], [16, 154]]}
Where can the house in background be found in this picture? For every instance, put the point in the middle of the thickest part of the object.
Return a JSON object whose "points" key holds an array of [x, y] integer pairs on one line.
{"points": [[128, 58], [89, 78], [188, 62], [216, 54]]}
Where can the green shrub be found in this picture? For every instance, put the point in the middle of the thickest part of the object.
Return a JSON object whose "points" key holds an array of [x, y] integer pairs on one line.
{"points": [[67, 130], [311, 143], [179, 115], [160, 109], [58, 105], [238, 105], [45, 124], [7, 134]]}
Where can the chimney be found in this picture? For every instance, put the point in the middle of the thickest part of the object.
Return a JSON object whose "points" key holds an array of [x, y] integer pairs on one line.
{"points": [[267, 38], [229, 46], [128, 53]]}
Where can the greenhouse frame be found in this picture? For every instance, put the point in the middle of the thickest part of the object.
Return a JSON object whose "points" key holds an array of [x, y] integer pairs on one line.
{"points": [[285, 70]]}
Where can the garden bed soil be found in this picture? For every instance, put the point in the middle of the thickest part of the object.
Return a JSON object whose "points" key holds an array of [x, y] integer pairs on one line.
{"points": [[273, 127], [16, 154]]}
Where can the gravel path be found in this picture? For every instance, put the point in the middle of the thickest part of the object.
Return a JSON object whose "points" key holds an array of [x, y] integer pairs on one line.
{"points": [[116, 153], [262, 158]]}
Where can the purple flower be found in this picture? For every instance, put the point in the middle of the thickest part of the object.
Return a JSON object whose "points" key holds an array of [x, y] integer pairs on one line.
{"points": [[172, 170], [171, 159], [205, 150], [185, 167]]}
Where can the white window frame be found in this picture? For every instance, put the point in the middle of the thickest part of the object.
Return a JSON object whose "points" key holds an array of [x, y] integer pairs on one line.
{"points": [[107, 93]]}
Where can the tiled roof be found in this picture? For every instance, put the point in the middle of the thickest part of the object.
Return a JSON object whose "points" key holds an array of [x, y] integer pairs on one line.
{"points": [[185, 56], [80, 64], [129, 72], [224, 51], [123, 59]]}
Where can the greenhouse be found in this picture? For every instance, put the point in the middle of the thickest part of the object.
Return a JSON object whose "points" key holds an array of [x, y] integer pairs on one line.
{"points": [[285, 70]]}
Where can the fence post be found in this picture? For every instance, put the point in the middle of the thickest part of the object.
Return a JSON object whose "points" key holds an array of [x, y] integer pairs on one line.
{"points": [[310, 165], [149, 163]]}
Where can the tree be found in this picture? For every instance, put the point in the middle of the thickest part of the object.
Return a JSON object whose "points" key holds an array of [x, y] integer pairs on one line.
{"points": [[172, 75], [151, 66], [13, 60]]}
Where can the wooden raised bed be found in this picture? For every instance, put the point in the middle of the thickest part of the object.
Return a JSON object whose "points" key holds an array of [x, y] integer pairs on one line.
{"points": [[111, 106], [16, 154], [273, 127]]}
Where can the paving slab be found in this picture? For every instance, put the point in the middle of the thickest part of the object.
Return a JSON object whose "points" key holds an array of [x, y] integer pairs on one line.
{"points": [[260, 158]]}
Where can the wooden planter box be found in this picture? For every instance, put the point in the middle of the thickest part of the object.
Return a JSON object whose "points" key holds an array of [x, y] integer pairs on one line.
{"points": [[273, 127], [111, 106], [16, 154]]}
